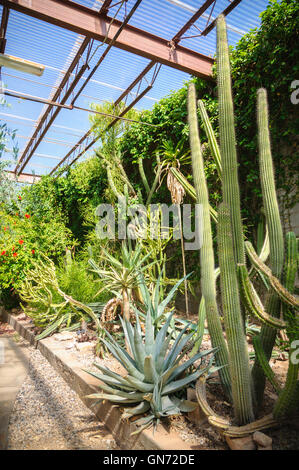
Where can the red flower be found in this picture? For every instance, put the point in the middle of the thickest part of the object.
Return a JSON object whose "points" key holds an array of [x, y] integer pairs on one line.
{"points": [[21, 242], [33, 251], [15, 254], [5, 228], [13, 248], [27, 216], [3, 253], [19, 197], [17, 214]]}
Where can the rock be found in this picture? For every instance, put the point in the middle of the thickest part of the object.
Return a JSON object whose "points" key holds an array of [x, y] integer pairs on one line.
{"points": [[197, 416], [87, 347], [64, 336], [240, 443], [262, 440]]}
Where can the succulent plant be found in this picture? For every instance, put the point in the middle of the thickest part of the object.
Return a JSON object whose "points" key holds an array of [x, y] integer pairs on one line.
{"points": [[122, 275], [236, 279], [156, 370]]}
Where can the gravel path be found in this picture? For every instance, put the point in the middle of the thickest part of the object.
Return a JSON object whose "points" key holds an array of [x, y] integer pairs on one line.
{"points": [[48, 415]]}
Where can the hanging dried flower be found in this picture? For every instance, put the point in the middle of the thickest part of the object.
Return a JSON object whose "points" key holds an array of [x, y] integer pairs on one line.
{"points": [[176, 189]]}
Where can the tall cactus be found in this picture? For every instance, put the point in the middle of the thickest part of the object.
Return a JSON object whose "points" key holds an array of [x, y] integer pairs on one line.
{"points": [[207, 263], [230, 185], [233, 262], [237, 346], [276, 242], [289, 396]]}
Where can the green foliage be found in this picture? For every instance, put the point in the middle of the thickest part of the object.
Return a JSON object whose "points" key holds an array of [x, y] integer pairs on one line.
{"points": [[23, 238], [262, 58], [47, 304], [121, 276], [143, 142], [232, 255], [207, 259], [73, 197], [268, 58], [74, 278], [157, 301]]}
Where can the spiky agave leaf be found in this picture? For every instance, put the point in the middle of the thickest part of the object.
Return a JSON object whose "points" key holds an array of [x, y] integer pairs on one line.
{"points": [[155, 370]]}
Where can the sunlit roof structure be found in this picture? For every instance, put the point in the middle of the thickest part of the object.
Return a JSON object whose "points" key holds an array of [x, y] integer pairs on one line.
{"points": [[129, 51]]}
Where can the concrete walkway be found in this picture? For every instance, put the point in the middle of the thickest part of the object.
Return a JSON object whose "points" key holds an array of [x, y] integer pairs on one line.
{"points": [[13, 371]]}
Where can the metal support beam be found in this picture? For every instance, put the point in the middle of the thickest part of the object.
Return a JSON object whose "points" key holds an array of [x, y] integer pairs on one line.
{"points": [[64, 90], [85, 140], [23, 177], [105, 7], [50, 114], [75, 17], [225, 12], [3, 27], [192, 20]]}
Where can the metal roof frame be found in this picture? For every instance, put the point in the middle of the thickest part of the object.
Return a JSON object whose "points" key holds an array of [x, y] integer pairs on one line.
{"points": [[97, 25]]}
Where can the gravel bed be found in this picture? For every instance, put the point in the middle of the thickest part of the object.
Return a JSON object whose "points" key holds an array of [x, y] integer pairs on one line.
{"points": [[48, 415]]}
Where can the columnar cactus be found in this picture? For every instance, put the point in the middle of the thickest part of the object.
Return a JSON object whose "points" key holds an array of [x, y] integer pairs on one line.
{"points": [[276, 242], [207, 263], [247, 389], [237, 346], [289, 396], [230, 185]]}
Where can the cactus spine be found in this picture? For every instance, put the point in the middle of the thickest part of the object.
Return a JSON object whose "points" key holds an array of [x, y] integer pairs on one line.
{"points": [[237, 347], [230, 185], [276, 242], [207, 263]]}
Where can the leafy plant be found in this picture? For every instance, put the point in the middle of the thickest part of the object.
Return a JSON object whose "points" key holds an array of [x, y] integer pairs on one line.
{"points": [[121, 276], [48, 305], [74, 278], [157, 302]]}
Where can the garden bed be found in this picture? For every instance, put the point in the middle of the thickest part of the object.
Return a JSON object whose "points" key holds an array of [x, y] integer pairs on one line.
{"points": [[69, 358], [69, 363]]}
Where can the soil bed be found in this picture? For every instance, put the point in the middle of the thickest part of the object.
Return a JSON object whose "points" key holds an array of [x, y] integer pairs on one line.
{"points": [[44, 406]]}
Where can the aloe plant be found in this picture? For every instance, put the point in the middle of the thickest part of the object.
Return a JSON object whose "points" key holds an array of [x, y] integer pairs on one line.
{"points": [[122, 275], [155, 370]]}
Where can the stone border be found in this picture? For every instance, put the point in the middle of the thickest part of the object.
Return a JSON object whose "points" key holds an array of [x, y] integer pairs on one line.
{"points": [[66, 364]]}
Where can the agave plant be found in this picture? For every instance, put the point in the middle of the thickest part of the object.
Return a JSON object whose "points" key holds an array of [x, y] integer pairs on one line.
{"points": [[155, 372], [153, 302]]}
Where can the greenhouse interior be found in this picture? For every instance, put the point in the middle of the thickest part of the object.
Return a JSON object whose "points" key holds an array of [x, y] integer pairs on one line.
{"points": [[149, 227]]}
